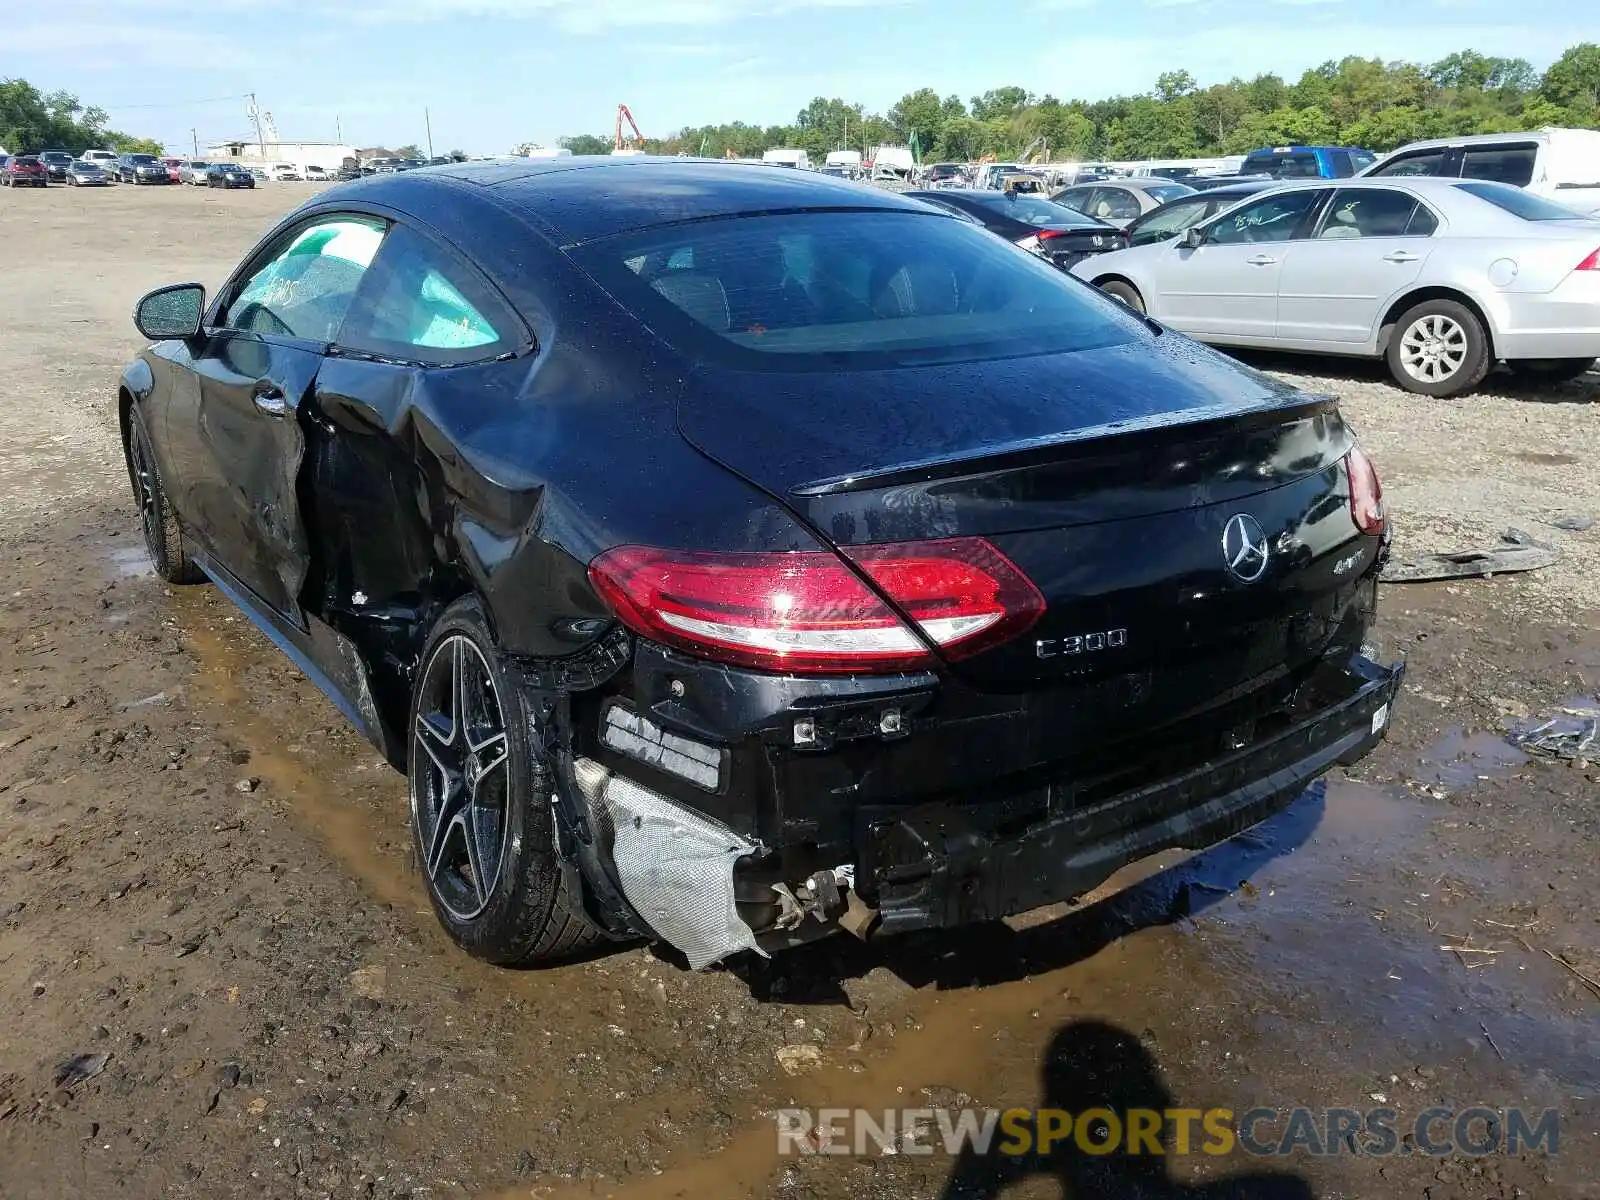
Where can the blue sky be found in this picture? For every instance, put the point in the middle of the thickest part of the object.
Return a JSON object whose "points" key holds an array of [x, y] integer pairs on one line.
{"points": [[496, 72]]}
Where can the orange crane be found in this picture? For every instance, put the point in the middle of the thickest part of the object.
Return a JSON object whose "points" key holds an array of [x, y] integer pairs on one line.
{"points": [[618, 142]]}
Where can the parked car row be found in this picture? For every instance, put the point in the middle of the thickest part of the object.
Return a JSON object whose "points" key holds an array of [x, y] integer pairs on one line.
{"points": [[99, 168], [1442, 277]]}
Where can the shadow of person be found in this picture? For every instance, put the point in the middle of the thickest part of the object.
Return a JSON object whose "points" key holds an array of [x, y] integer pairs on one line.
{"points": [[1089, 1065]]}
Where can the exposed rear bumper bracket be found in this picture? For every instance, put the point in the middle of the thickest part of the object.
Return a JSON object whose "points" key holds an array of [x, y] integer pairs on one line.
{"points": [[930, 868]]}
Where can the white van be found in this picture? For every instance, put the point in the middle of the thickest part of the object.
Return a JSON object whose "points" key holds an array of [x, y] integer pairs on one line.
{"points": [[786, 157], [1562, 165]]}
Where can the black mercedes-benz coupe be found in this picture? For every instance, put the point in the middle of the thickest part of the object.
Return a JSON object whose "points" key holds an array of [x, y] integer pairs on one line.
{"points": [[732, 555]]}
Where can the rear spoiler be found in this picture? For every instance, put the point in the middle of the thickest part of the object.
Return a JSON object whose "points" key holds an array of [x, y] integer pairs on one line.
{"points": [[1004, 456]]}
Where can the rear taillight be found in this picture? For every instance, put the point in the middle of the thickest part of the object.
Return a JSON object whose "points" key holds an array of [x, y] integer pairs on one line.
{"points": [[1592, 263], [808, 612], [1366, 493], [1044, 235]]}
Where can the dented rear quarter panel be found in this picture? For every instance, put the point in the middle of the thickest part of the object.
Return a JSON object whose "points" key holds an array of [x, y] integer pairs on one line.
{"points": [[514, 474]]}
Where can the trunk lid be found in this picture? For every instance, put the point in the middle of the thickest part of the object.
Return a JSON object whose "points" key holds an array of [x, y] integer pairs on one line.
{"points": [[1186, 518]]}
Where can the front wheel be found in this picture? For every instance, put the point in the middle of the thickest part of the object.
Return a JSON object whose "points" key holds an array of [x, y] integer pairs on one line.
{"points": [[1125, 292], [1550, 370], [1438, 348], [480, 804], [163, 535]]}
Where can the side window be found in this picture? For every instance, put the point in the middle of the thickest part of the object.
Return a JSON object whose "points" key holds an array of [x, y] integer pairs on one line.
{"points": [[1367, 213], [1270, 219], [1113, 204], [1423, 223], [1502, 164], [1343, 168], [418, 303], [305, 287], [1419, 162]]}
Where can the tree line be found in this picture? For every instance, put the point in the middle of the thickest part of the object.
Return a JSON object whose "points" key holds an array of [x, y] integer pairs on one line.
{"points": [[31, 120], [1353, 102]]}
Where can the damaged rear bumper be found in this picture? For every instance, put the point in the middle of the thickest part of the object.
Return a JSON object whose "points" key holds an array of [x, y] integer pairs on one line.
{"points": [[929, 868], [683, 842]]}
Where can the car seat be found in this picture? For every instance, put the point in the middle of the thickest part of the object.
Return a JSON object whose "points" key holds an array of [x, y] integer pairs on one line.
{"points": [[1343, 225]]}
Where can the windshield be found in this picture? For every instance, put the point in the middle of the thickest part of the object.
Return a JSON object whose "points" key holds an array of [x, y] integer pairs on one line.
{"points": [[141, 160], [831, 290], [55, 156], [1520, 203], [1167, 221]]}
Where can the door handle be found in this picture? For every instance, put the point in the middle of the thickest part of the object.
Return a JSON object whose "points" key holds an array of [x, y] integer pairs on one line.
{"points": [[269, 398], [1261, 260], [1400, 256]]}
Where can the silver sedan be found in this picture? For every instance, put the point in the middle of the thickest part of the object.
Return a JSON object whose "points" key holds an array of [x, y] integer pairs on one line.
{"points": [[1441, 277]]}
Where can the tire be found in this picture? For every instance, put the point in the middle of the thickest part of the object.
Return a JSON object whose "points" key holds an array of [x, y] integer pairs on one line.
{"points": [[517, 910], [1438, 348], [1125, 292], [1550, 370], [163, 535]]}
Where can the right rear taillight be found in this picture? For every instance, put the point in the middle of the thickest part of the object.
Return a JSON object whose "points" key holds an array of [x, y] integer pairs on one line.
{"points": [[806, 611], [1366, 493], [1592, 263]]}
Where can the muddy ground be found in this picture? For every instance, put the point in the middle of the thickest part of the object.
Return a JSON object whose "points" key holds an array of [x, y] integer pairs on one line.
{"points": [[206, 888]]}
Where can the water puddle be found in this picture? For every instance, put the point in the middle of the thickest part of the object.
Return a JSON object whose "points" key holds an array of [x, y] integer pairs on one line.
{"points": [[129, 562], [1460, 759], [231, 655], [1316, 931]]}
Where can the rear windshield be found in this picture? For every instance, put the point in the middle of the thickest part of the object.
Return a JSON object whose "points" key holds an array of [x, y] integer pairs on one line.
{"points": [[1297, 164], [1033, 210], [1520, 203], [825, 290], [1164, 192], [26, 160]]}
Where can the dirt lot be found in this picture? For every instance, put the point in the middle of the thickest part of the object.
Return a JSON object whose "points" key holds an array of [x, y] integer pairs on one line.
{"points": [[206, 888]]}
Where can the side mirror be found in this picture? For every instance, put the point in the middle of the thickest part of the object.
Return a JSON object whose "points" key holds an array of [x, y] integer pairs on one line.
{"points": [[171, 312], [1194, 237]]}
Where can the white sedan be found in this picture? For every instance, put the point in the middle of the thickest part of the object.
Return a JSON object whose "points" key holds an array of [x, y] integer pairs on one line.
{"points": [[1441, 277]]}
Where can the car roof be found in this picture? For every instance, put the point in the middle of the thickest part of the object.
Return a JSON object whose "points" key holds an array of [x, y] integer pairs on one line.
{"points": [[1474, 139], [581, 198]]}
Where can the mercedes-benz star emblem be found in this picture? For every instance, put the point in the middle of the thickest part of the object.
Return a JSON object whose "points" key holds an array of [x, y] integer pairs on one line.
{"points": [[1244, 548]]}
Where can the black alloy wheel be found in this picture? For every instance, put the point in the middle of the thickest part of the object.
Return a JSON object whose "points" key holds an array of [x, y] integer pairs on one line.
{"points": [[480, 804], [461, 795], [163, 535]]}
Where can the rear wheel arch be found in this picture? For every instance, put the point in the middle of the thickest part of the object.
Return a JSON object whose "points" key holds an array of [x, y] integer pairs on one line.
{"points": [[1418, 296]]}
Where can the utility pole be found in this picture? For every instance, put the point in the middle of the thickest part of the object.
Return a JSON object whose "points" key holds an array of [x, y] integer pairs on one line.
{"points": [[338, 130], [195, 138], [255, 112], [428, 122]]}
